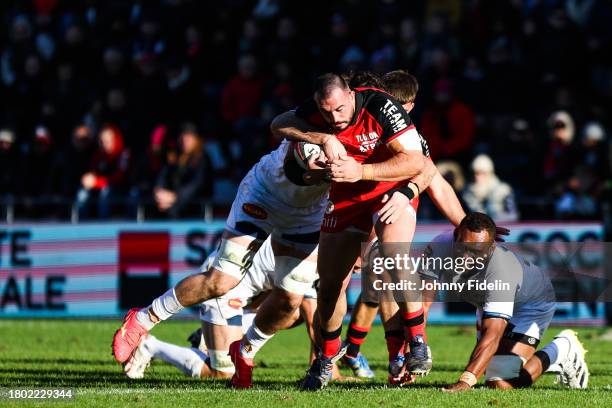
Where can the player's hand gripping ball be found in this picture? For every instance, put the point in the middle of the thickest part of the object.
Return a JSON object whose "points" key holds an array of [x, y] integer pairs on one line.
{"points": [[303, 151]]}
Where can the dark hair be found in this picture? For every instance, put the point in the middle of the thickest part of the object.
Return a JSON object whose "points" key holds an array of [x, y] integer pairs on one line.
{"points": [[326, 83], [476, 222], [362, 79], [401, 85]]}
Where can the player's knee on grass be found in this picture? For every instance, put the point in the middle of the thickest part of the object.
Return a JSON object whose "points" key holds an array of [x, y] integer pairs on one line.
{"points": [[504, 371], [500, 385]]}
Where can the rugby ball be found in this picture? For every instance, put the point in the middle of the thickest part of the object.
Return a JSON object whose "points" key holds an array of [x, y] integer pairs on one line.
{"points": [[303, 151]]}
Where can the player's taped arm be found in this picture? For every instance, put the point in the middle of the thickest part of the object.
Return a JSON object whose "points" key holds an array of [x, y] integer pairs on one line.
{"points": [[410, 190], [290, 126], [404, 164], [491, 332], [445, 199]]}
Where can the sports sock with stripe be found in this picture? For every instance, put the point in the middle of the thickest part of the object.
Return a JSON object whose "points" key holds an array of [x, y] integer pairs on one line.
{"points": [[414, 324], [354, 338], [395, 343], [331, 342]]}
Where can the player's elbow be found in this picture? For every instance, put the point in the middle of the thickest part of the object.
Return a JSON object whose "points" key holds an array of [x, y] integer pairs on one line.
{"points": [[415, 163]]}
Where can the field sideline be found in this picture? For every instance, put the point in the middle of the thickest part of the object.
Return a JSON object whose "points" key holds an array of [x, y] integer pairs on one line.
{"points": [[76, 354]]}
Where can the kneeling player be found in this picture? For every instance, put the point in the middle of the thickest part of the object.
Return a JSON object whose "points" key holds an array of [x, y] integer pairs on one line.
{"points": [[511, 321], [223, 323]]}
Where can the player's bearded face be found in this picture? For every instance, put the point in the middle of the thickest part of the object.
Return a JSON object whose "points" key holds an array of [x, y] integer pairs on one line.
{"points": [[338, 108]]}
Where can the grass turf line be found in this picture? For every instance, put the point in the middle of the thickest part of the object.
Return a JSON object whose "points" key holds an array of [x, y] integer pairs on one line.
{"points": [[76, 354]]}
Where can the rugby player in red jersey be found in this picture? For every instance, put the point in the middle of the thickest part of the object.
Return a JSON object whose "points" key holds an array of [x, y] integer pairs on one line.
{"points": [[372, 149]]}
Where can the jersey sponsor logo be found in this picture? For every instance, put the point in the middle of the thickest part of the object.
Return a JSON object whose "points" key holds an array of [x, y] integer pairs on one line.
{"points": [[394, 116], [254, 211], [234, 303], [368, 141]]}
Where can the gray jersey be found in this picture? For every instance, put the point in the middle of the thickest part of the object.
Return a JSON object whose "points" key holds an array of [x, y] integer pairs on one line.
{"points": [[514, 284]]}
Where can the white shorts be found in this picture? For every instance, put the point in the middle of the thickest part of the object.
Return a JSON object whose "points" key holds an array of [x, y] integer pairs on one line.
{"points": [[263, 275], [227, 309]]}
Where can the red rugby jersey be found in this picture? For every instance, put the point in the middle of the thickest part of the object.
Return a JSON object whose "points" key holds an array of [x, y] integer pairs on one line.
{"points": [[378, 119]]}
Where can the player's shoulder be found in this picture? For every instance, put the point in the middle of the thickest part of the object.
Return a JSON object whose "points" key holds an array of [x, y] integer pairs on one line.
{"points": [[385, 109], [506, 263], [374, 99]]}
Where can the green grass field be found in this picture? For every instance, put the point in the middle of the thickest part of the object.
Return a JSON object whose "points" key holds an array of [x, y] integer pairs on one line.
{"points": [[76, 354]]}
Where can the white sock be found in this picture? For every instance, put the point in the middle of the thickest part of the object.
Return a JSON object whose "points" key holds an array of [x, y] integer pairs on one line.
{"points": [[188, 360], [253, 341], [248, 320], [557, 350], [164, 307]]}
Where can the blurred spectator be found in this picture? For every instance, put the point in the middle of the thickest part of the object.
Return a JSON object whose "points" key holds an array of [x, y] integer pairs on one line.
{"points": [[561, 155], [594, 150], [108, 176], [76, 159], [488, 194], [149, 166], [186, 179], [9, 168], [452, 172], [581, 192], [448, 125], [519, 148], [577, 200], [40, 174], [138, 64], [243, 93]]}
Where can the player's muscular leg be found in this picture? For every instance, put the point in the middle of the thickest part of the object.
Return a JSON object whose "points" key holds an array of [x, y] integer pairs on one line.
{"points": [[278, 311], [218, 339], [400, 235], [337, 254], [364, 313], [237, 253]]}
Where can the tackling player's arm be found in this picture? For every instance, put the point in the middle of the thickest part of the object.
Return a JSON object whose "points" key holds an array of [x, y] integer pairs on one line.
{"points": [[290, 126], [306, 125], [445, 199], [491, 332]]}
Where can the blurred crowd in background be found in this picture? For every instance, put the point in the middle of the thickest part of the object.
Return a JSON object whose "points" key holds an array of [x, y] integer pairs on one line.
{"points": [[109, 107]]}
